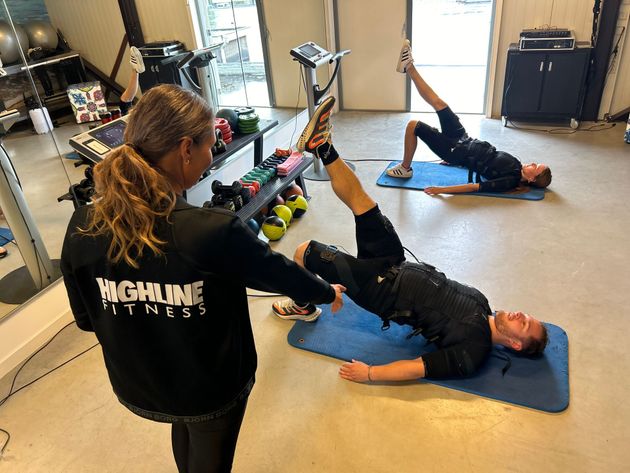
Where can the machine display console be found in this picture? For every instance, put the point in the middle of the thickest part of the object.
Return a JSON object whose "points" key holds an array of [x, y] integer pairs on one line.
{"points": [[310, 54], [95, 144]]}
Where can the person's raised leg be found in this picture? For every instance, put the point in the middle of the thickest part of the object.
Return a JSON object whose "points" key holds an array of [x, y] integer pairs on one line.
{"points": [[316, 139], [424, 89], [405, 65], [376, 236], [137, 64], [449, 122]]}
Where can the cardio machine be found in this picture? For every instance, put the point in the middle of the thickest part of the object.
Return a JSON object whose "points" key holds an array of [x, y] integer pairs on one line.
{"points": [[311, 56]]}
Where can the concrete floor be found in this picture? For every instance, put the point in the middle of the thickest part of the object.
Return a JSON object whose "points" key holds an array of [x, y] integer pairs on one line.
{"points": [[563, 259]]}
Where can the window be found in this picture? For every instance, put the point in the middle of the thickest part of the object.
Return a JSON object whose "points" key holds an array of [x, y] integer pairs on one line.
{"points": [[450, 44], [241, 75]]}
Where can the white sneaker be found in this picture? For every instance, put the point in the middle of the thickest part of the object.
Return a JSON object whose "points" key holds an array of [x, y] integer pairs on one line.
{"points": [[136, 61], [400, 172], [2, 71], [405, 57], [287, 309]]}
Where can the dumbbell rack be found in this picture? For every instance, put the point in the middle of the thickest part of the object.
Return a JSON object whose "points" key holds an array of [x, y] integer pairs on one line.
{"points": [[271, 189]]}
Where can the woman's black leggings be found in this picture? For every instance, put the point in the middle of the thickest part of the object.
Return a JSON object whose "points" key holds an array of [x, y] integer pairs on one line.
{"points": [[208, 446]]}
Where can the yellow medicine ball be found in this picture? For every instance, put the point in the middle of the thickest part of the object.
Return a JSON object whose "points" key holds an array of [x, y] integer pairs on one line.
{"points": [[298, 205], [283, 212], [274, 227]]}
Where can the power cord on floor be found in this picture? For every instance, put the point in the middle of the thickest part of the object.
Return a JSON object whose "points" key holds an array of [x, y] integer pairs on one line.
{"points": [[385, 160], [297, 103], [11, 392], [564, 131]]}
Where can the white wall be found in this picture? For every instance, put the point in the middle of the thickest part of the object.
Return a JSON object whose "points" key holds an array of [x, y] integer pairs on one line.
{"points": [[95, 28], [165, 20], [97, 37], [291, 23], [373, 30], [516, 15], [31, 325]]}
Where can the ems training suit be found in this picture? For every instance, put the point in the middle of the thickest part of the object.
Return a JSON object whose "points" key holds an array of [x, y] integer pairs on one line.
{"points": [[501, 171], [175, 333], [452, 315]]}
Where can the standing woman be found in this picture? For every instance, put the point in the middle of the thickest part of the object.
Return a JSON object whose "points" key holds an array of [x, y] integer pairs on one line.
{"points": [[163, 283]]}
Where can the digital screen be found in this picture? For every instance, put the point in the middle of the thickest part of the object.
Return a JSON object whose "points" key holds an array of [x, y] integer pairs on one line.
{"points": [[111, 135], [309, 51]]}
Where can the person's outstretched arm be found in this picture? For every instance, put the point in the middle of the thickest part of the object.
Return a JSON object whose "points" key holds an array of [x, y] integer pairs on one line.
{"points": [[452, 189], [401, 370]]}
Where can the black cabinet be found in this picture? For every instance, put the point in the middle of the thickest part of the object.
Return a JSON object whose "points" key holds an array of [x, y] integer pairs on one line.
{"points": [[545, 85]]}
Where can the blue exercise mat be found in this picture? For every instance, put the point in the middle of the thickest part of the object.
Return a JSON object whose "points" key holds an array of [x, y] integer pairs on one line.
{"points": [[5, 236], [354, 333], [435, 174]]}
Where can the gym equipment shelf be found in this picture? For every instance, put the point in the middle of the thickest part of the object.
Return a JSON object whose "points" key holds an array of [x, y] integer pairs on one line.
{"points": [[271, 189], [240, 141]]}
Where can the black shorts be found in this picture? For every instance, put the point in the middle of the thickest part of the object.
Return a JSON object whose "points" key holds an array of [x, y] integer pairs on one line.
{"points": [[364, 276], [443, 143]]}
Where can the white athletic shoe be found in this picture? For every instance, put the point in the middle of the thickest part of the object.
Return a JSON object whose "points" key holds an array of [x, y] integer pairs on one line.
{"points": [[136, 61], [400, 172], [287, 309], [2, 71], [405, 57]]}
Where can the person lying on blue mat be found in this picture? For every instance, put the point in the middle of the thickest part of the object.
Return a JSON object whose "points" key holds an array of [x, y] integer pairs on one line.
{"points": [[454, 316], [501, 171]]}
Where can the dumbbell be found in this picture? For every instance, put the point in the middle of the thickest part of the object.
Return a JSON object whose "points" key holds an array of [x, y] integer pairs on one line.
{"points": [[219, 188], [248, 187], [274, 161], [269, 164], [251, 184], [236, 188], [265, 176], [249, 177], [220, 200], [269, 168]]}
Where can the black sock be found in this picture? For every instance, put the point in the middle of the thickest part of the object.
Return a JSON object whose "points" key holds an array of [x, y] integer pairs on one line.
{"points": [[327, 153]]}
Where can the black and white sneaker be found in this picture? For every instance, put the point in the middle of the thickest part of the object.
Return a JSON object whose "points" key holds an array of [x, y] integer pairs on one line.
{"points": [[136, 61], [405, 57], [400, 171]]}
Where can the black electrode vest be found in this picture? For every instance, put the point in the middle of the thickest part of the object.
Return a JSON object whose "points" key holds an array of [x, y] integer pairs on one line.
{"points": [[428, 301], [478, 154]]}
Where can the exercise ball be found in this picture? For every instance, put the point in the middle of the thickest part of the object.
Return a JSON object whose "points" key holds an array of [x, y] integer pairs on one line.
{"points": [[283, 212], [293, 189], [279, 200], [41, 34], [253, 224], [297, 204], [9, 46], [231, 116], [274, 228]]}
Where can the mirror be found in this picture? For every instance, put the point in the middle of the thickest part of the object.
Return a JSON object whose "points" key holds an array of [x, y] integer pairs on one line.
{"points": [[67, 52], [34, 107]]}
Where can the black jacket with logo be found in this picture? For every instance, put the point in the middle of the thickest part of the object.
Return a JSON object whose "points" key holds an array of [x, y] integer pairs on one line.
{"points": [[175, 333]]}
